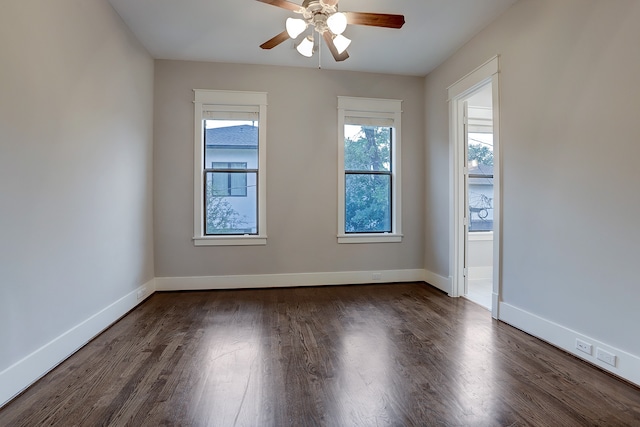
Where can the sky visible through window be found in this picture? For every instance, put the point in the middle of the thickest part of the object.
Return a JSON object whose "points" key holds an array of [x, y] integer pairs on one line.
{"points": [[213, 124]]}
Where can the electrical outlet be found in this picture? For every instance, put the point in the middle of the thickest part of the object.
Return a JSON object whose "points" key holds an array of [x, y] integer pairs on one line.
{"points": [[376, 276], [583, 346], [141, 293], [606, 357]]}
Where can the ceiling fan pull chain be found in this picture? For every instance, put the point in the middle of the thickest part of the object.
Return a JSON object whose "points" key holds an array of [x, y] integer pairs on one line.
{"points": [[319, 53]]}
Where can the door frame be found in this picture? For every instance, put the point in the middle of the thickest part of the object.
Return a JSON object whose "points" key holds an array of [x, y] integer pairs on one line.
{"points": [[487, 73]]}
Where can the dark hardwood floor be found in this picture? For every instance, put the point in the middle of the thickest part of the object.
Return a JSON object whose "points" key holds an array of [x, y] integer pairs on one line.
{"points": [[374, 355]]}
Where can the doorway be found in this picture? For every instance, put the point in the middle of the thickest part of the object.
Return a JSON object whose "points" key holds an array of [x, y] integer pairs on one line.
{"points": [[479, 195], [475, 187]]}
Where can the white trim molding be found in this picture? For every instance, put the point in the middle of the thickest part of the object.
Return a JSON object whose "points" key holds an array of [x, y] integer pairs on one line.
{"points": [[373, 112], [370, 238], [458, 93], [627, 365], [437, 281], [475, 78], [17, 377], [258, 281], [228, 104]]}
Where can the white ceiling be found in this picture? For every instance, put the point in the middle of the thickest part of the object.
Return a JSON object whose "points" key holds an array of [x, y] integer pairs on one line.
{"points": [[232, 31]]}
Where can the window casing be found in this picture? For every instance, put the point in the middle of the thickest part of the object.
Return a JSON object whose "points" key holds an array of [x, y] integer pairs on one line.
{"points": [[369, 181], [230, 168]]}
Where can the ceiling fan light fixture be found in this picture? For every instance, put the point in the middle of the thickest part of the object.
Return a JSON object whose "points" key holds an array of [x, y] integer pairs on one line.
{"points": [[341, 42], [327, 22], [295, 27], [305, 48], [337, 23]]}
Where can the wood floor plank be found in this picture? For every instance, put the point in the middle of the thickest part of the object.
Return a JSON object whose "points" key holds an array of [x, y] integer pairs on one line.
{"points": [[365, 355]]}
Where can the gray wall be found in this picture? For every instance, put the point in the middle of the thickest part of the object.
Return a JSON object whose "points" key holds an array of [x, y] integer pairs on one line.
{"points": [[302, 171], [76, 100], [569, 135]]}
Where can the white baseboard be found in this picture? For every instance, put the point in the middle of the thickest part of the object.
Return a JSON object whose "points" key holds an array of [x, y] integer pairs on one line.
{"points": [[17, 377], [495, 305], [287, 280], [437, 281], [627, 365]]}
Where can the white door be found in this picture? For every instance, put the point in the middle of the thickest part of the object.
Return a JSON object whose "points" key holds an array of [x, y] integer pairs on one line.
{"points": [[465, 182]]}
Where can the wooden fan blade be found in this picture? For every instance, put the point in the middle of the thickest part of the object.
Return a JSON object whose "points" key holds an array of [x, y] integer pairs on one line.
{"points": [[283, 4], [332, 47], [275, 41], [375, 19]]}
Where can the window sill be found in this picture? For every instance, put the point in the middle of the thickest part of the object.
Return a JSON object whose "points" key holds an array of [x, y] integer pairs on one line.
{"points": [[480, 235], [230, 241], [370, 238]]}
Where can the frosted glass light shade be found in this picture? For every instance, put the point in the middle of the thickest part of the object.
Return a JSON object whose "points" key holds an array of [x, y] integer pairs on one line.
{"points": [[295, 27], [306, 47], [341, 42], [337, 23]]}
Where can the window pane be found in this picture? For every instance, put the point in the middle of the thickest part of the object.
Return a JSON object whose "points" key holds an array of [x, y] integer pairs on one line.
{"points": [[481, 152], [237, 184], [220, 187], [367, 148], [367, 203], [481, 204], [233, 143], [480, 163], [229, 214]]}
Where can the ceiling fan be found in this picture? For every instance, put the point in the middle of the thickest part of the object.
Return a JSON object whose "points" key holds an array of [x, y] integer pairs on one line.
{"points": [[323, 16]]}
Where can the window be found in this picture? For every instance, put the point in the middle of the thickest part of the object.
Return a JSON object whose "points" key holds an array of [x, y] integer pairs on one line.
{"points": [[368, 177], [480, 168], [229, 168], [369, 170]]}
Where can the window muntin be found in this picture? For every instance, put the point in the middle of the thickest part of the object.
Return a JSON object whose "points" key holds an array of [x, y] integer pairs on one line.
{"points": [[369, 187], [230, 160]]}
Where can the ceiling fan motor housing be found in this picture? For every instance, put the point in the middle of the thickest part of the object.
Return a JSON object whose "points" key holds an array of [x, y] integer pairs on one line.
{"points": [[316, 13]]}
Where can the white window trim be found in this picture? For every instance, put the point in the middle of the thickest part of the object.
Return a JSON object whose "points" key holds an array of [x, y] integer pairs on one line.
{"points": [[372, 108], [207, 100], [480, 236]]}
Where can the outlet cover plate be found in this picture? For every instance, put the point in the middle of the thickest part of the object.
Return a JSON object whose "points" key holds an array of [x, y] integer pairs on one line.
{"points": [[584, 346], [606, 357]]}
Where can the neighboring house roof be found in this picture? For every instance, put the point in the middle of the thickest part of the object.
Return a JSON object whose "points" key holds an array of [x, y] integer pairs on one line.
{"points": [[239, 137], [480, 169]]}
